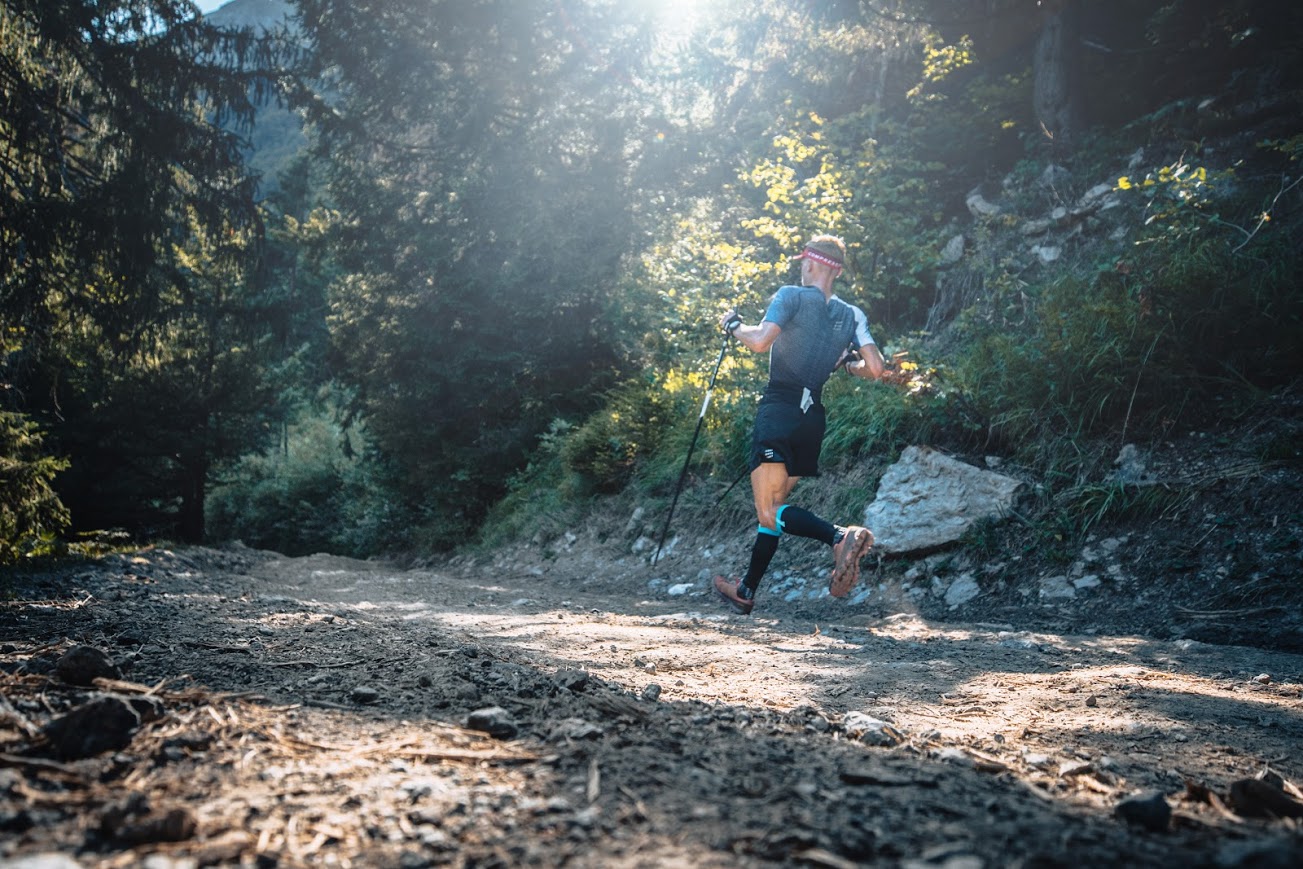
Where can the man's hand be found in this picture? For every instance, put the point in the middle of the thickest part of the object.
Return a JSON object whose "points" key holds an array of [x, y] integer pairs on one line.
{"points": [[757, 338], [870, 364]]}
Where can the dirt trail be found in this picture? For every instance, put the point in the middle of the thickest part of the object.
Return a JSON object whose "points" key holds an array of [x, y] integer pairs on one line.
{"points": [[314, 712]]}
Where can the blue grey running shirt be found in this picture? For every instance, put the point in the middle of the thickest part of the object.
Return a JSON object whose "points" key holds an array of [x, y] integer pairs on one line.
{"points": [[814, 337]]}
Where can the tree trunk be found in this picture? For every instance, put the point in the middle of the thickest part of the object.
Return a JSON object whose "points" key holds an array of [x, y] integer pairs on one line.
{"points": [[194, 477], [1055, 65]]}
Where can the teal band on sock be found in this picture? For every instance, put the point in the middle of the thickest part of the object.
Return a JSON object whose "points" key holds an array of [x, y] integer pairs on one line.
{"points": [[770, 531], [778, 518]]}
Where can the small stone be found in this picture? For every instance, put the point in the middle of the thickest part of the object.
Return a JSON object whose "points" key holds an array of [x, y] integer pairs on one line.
{"points": [[1263, 679], [174, 825], [1057, 588], [1070, 768], [1092, 701], [1047, 253], [953, 252], [572, 680], [365, 695], [870, 730], [652, 692], [1149, 811], [1099, 191], [962, 590], [576, 729], [82, 665], [1256, 798], [1037, 760], [104, 724], [957, 756], [493, 720], [978, 206]]}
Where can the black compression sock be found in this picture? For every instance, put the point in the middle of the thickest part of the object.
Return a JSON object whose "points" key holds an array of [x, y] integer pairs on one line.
{"points": [[762, 552], [803, 523]]}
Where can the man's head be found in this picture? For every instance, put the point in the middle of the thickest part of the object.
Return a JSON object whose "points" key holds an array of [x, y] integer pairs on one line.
{"points": [[823, 252]]}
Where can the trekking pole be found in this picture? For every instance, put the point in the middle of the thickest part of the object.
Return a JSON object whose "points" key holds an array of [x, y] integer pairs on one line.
{"points": [[701, 417]]}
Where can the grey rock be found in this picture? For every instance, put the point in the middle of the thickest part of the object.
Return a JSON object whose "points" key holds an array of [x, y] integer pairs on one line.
{"points": [[572, 680], [928, 499], [365, 694], [1016, 641], [493, 720], [82, 665], [575, 729], [962, 590], [953, 252], [1047, 253], [870, 730], [1130, 467], [1055, 176], [1095, 195], [1149, 811], [1057, 588], [104, 724], [978, 206]]}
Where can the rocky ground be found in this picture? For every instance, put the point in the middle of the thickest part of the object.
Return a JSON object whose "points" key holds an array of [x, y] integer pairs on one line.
{"points": [[1134, 699]]}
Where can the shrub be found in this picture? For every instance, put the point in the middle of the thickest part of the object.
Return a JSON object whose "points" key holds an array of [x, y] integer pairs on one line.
{"points": [[313, 494], [31, 515]]}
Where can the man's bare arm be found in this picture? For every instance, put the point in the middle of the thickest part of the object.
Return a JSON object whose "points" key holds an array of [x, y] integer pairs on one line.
{"points": [[870, 365], [758, 338]]}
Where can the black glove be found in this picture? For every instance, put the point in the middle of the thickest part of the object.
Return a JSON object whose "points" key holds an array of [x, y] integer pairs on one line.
{"points": [[732, 324]]}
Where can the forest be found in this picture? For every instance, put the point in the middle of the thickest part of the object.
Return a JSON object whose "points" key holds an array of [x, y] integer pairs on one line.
{"points": [[478, 287]]}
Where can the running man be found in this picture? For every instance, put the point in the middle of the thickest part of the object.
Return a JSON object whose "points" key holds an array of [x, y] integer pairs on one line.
{"points": [[809, 333]]}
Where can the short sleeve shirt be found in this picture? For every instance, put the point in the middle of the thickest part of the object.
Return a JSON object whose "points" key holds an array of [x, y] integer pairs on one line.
{"points": [[815, 334]]}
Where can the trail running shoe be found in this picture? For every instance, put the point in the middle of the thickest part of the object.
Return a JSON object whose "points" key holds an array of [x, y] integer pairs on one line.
{"points": [[737, 594], [846, 560]]}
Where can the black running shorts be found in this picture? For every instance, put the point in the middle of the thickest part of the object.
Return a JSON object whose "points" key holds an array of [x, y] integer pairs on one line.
{"points": [[783, 433]]}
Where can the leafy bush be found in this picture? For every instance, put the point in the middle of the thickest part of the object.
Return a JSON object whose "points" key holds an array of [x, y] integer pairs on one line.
{"points": [[313, 495], [604, 450], [31, 515]]}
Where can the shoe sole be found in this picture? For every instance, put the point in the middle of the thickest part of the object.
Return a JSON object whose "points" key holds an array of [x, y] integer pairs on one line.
{"points": [[843, 579], [740, 608]]}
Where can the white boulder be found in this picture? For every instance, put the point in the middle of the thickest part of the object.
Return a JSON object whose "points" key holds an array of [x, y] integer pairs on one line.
{"points": [[928, 499]]}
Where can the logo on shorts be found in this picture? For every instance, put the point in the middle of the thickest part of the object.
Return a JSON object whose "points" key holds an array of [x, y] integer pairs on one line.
{"points": [[769, 454]]}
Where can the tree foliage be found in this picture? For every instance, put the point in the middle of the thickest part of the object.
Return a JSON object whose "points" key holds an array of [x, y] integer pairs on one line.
{"points": [[480, 156], [30, 512], [502, 261], [119, 123]]}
